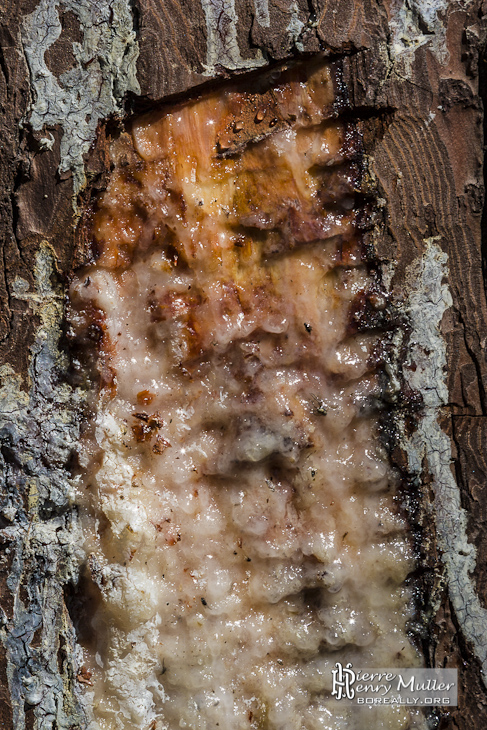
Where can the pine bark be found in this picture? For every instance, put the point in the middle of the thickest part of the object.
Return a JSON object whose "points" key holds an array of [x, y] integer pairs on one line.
{"points": [[416, 77]]}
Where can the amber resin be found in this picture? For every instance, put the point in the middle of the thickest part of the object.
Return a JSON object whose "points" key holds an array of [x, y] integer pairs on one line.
{"points": [[241, 519]]}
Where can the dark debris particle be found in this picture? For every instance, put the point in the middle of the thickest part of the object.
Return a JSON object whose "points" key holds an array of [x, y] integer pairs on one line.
{"points": [[204, 602], [144, 397], [307, 327], [142, 432]]}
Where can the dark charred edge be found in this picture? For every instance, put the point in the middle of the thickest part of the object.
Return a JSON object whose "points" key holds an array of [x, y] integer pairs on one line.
{"points": [[399, 408], [399, 411], [137, 105], [402, 409]]}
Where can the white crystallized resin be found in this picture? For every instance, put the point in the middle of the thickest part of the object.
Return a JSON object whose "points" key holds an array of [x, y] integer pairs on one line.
{"points": [[241, 519]]}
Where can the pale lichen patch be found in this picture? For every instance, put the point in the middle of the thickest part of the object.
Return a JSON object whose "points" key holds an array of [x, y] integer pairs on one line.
{"points": [[262, 12], [295, 26], [221, 36], [429, 299], [95, 87], [38, 431], [416, 23]]}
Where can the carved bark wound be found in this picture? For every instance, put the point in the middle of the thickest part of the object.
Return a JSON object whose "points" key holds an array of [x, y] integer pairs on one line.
{"points": [[251, 222], [419, 68]]}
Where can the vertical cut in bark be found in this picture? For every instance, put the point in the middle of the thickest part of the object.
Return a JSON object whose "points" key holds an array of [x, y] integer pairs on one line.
{"points": [[242, 523]]}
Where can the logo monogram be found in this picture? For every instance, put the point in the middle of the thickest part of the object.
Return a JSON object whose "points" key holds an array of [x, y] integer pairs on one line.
{"points": [[343, 680]]}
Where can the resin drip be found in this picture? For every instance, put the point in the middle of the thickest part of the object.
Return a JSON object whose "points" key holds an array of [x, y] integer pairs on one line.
{"points": [[241, 522]]}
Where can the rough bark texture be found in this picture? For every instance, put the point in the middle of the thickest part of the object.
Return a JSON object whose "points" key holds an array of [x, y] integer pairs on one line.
{"points": [[413, 74]]}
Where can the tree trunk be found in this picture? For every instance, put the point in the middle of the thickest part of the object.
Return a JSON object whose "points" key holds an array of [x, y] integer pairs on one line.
{"points": [[414, 75]]}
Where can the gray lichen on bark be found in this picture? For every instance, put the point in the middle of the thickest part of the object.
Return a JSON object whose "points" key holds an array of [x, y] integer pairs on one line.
{"points": [[221, 37], [429, 446], [95, 87], [38, 430], [295, 26], [39, 418], [262, 12], [415, 23]]}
